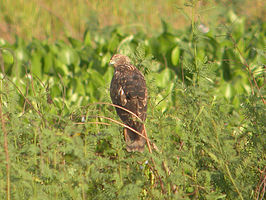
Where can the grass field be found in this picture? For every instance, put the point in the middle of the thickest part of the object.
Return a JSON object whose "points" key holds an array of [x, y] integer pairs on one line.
{"points": [[54, 20]]}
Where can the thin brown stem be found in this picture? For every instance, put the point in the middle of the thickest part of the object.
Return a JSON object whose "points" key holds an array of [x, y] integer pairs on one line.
{"points": [[165, 61], [25, 102], [233, 181], [121, 124], [103, 123], [64, 90], [145, 133], [117, 106], [260, 189], [6, 151], [157, 174], [31, 81], [146, 137]]}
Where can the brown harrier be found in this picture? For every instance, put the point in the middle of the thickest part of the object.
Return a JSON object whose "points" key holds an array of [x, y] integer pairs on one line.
{"points": [[128, 90]]}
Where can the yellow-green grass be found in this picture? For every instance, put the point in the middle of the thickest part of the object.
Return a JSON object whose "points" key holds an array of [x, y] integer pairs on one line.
{"points": [[57, 19]]}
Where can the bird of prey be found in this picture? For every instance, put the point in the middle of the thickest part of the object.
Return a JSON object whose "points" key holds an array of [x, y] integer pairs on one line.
{"points": [[128, 90]]}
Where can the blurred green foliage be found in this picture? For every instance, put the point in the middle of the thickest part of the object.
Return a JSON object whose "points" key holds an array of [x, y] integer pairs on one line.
{"points": [[82, 66], [206, 115]]}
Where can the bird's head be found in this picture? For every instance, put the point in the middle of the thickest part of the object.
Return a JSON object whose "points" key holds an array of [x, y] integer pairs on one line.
{"points": [[119, 59]]}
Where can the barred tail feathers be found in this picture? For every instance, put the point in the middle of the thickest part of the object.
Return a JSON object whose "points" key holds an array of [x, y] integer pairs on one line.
{"points": [[134, 141]]}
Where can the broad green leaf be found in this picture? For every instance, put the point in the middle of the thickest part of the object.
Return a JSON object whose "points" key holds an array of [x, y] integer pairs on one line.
{"points": [[80, 87], [201, 55], [21, 54], [68, 56], [164, 77], [7, 56], [105, 60], [74, 42], [48, 62], [228, 93], [108, 74], [61, 68], [226, 66], [166, 42], [113, 42], [55, 90], [175, 55], [97, 78], [87, 38], [36, 65], [162, 102]]}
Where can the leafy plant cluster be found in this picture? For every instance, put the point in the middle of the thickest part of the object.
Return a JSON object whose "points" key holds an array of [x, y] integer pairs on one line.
{"points": [[81, 70], [206, 116]]}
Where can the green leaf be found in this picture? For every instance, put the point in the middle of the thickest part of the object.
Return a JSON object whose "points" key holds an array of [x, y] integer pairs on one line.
{"points": [[105, 60], [36, 65], [164, 77], [61, 67], [69, 56], [48, 62], [21, 54], [166, 42], [226, 66], [214, 157], [175, 55], [113, 42], [80, 87], [228, 93], [108, 74], [87, 38], [74, 42], [7, 56], [55, 91]]}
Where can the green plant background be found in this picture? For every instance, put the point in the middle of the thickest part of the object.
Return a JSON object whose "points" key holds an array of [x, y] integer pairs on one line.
{"points": [[206, 111]]}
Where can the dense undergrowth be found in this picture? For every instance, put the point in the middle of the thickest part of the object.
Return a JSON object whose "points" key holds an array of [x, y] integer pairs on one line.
{"points": [[206, 116]]}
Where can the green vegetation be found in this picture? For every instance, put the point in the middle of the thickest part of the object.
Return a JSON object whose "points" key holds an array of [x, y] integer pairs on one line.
{"points": [[206, 114], [51, 20]]}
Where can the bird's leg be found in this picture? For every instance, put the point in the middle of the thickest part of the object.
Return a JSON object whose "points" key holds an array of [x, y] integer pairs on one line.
{"points": [[125, 134], [127, 137]]}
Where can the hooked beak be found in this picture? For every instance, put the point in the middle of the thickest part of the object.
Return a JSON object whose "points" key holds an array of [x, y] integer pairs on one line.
{"points": [[112, 62]]}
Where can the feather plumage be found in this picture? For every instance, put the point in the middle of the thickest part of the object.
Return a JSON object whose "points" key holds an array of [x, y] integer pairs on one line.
{"points": [[128, 89]]}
